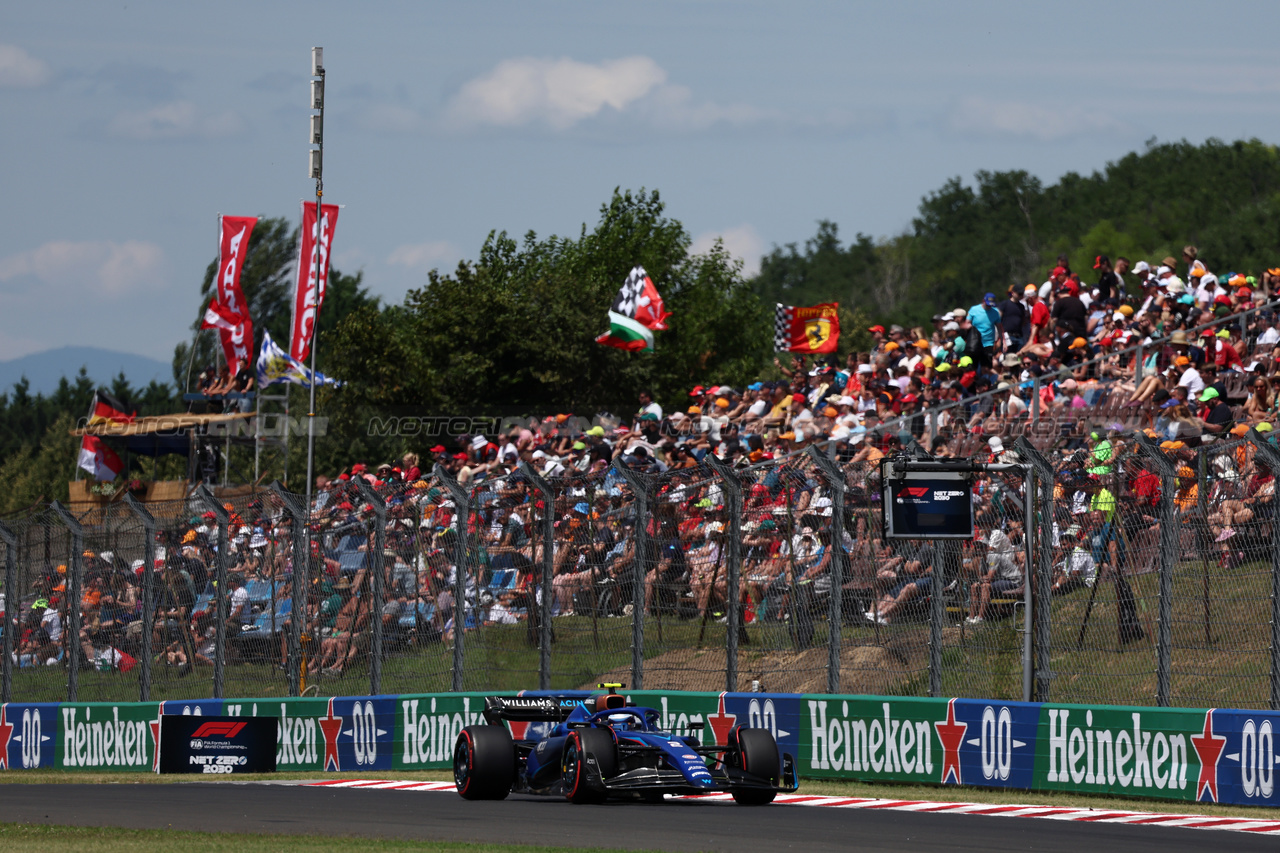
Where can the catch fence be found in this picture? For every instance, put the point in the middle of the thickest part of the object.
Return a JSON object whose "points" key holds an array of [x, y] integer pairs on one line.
{"points": [[1155, 579]]}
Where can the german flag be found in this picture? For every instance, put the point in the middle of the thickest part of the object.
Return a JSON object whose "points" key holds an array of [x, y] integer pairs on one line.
{"points": [[107, 409]]}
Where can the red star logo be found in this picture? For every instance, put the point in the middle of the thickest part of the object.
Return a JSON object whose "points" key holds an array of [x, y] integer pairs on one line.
{"points": [[154, 725], [721, 723], [1208, 749], [330, 726], [951, 734], [6, 732]]}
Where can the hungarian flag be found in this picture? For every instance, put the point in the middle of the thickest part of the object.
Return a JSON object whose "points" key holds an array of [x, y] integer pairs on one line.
{"points": [[100, 461], [813, 329], [636, 314], [106, 409]]}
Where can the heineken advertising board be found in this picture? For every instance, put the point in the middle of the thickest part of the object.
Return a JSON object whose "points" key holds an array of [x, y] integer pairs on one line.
{"points": [[1196, 755]]}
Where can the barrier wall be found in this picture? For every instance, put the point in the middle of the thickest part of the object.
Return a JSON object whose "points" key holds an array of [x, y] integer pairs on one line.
{"points": [[1226, 756]]}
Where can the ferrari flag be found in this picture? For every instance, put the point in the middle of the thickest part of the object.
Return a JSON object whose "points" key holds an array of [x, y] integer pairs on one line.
{"points": [[100, 461], [313, 251], [812, 329], [636, 314], [233, 245]]}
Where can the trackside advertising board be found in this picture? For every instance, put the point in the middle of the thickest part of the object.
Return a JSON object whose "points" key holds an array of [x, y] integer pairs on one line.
{"points": [[1219, 755]]}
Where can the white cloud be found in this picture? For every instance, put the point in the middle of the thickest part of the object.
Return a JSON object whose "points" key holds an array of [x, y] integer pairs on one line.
{"points": [[89, 268], [558, 92], [174, 120], [982, 117], [425, 256], [21, 70], [741, 241]]}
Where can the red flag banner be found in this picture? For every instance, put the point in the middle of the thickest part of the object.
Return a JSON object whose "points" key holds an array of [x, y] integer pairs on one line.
{"points": [[99, 460], [216, 316], [312, 247], [237, 341], [810, 329]]}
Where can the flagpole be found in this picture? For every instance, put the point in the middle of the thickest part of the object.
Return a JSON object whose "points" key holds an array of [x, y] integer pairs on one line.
{"points": [[317, 172]]}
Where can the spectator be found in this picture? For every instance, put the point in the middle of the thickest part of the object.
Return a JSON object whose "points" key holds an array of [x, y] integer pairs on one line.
{"points": [[1001, 577], [1014, 319]]}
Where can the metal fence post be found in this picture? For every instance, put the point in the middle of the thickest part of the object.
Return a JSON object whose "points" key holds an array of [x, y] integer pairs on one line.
{"points": [[733, 507], [1271, 458], [377, 579], [1035, 404], [835, 616], [74, 569], [11, 603], [461, 520], [938, 615], [1028, 574], [148, 590], [640, 489], [298, 584], [548, 568], [1043, 604], [220, 590], [1170, 549]]}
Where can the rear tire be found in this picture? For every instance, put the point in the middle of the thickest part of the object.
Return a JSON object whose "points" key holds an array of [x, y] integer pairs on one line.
{"points": [[598, 742], [757, 754], [484, 763]]}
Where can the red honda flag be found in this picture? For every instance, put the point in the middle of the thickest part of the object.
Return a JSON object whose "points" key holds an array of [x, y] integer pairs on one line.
{"points": [[312, 247], [216, 316], [237, 341]]}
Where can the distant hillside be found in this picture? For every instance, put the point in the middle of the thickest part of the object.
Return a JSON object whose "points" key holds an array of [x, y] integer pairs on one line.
{"points": [[44, 369]]}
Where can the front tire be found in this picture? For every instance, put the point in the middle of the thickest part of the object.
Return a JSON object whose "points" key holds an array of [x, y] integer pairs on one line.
{"points": [[598, 742], [757, 754], [484, 763]]}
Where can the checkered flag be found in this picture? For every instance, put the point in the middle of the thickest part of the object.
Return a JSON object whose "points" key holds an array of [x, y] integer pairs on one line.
{"points": [[782, 328], [629, 294]]}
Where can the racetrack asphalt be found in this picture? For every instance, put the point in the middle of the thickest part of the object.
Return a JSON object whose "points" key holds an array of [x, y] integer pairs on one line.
{"points": [[223, 807]]}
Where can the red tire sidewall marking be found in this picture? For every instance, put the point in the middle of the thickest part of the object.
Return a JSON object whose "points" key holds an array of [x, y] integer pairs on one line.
{"points": [[471, 761], [577, 776]]}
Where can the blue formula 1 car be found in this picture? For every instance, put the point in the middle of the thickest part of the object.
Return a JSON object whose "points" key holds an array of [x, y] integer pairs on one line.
{"points": [[603, 746]]}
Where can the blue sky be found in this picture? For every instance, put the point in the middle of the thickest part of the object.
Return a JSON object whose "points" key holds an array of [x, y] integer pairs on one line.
{"points": [[127, 127]]}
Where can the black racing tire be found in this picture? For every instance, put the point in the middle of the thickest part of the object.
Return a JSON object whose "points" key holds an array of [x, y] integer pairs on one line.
{"points": [[484, 763], [758, 755], [598, 742]]}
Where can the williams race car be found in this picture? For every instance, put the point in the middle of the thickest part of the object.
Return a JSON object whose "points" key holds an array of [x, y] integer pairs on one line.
{"points": [[593, 748]]}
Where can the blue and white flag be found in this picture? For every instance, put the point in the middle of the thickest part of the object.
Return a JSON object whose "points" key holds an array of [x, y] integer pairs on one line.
{"points": [[276, 366]]}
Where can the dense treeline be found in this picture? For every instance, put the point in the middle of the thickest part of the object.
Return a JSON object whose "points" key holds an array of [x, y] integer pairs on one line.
{"points": [[1008, 228], [37, 455], [512, 331]]}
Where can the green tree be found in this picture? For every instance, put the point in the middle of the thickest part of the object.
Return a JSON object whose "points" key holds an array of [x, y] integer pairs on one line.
{"points": [[514, 332]]}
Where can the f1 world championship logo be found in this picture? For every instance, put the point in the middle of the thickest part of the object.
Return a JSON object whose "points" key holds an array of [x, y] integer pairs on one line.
{"points": [[218, 729]]}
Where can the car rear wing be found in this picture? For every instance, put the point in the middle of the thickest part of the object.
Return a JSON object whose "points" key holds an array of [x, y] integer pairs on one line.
{"points": [[531, 709]]}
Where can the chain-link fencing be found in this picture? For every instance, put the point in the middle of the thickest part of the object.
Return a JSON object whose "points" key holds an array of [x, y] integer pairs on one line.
{"points": [[1153, 573]]}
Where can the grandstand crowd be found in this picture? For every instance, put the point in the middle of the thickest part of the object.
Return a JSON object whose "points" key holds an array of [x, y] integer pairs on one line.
{"points": [[963, 387]]}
